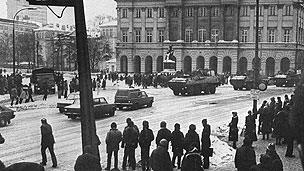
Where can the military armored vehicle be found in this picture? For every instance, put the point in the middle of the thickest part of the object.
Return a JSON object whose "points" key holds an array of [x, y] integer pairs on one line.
{"points": [[246, 81], [289, 79], [195, 83]]}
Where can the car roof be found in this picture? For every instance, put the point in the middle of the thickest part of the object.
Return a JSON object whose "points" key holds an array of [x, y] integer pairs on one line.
{"points": [[129, 89]]}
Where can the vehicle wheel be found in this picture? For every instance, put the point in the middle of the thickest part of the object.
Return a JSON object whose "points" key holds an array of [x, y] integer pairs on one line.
{"points": [[120, 108], [240, 88], [2, 122], [235, 88], [212, 90], [112, 113], [135, 106], [176, 93], [61, 110], [150, 104], [73, 117]]}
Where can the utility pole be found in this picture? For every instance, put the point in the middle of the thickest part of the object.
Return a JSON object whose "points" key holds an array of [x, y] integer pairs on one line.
{"points": [[255, 64]]}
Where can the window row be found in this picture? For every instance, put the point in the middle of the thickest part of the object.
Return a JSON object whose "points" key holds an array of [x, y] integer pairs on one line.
{"points": [[148, 35], [271, 34], [138, 12], [272, 10]]}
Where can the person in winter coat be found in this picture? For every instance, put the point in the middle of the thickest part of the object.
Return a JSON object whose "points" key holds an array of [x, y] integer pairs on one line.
{"points": [[266, 120], [245, 156], [103, 84], [177, 145], [192, 139], [30, 93], [163, 133], [276, 161], [14, 96], [280, 125], [87, 161], [206, 143], [130, 143], [47, 141], [250, 130], [160, 158], [22, 95], [145, 138], [94, 84], [233, 129], [113, 138], [192, 161], [264, 165]]}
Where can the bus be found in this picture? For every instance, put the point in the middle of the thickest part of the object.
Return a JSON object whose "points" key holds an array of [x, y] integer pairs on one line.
{"points": [[41, 78]]}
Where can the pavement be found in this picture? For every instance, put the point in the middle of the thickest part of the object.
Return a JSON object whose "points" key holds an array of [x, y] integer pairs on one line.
{"points": [[259, 146]]}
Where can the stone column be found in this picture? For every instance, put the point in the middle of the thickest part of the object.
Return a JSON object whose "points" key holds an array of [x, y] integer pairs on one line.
{"points": [[131, 16], [195, 23], [252, 23], [265, 24], [143, 24], [155, 19], [167, 29], [119, 24]]}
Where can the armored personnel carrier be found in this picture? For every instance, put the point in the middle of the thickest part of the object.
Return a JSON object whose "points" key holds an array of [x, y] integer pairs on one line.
{"points": [[289, 79], [241, 81], [194, 84]]}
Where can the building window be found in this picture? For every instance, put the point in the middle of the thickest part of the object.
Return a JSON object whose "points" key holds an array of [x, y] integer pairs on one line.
{"points": [[202, 12], [161, 35], [124, 13], [124, 34], [244, 35], [272, 10], [215, 11], [149, 35], [229, 11], [271, 35], [174, 12], [287, 10], [287, 35], [137, 35], [244, 11], [189, 12], [149, 13], [161, 12], [137, 13], [214, 35], [188, 35], [202, 35], [261, 10]]}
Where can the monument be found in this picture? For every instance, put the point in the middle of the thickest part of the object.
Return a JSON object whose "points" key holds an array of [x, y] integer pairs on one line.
{"points": [[169, 63]]}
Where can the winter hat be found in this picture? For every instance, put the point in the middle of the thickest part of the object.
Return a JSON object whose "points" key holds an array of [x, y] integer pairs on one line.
{"points": [[163, 124], [192, 127]]}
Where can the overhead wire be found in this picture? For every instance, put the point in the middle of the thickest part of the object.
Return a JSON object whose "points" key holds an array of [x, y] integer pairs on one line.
{"points": [[55, 13]]}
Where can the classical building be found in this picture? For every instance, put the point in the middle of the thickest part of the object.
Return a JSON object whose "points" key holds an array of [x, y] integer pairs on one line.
{"points": [[214, 34], [39, 15]]}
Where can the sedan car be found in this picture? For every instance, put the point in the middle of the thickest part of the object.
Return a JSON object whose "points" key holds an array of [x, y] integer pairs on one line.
{"points": [[132, 98], [101, 108], [6, 115], [67, 101]]}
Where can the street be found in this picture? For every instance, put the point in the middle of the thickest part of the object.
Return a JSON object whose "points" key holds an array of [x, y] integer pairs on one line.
{"points": [[23, 134]]}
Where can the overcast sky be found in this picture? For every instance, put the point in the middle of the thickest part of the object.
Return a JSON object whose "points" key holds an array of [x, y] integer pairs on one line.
{"points": [[92, 8]]}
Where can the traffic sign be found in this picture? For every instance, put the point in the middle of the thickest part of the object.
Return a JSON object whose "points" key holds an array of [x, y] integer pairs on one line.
{"points": [[52, 2]]}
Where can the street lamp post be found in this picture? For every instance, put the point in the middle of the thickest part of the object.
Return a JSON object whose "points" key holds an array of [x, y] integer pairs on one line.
{"points": [[14, 57], [255, 62]]}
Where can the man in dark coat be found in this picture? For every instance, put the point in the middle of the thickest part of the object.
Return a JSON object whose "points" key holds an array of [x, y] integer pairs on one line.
{"points": [[233, 129], [103, 84], [47, 141], [245, 156], [145, 138], [276, 161], [163, 133], [113, 138], [289, 135], [266, 122], [177, 145], [192, 161], [192, 139], [87, 161], [160, 158], [206, 143], [130, 143], [250, 130]]}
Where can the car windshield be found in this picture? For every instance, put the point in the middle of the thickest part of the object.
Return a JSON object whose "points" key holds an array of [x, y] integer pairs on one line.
{"points": [[73, 96]]}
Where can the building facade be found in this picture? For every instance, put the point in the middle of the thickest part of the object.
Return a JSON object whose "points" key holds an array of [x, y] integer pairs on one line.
{"points": [[39, 15], [213, 34], [6, 36]]}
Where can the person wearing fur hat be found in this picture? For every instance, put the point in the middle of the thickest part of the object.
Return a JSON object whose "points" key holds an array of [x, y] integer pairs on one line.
{"points": [[160, 158]]}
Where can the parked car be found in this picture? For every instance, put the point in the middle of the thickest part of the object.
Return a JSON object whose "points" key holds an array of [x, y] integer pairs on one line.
{"points": [[101, 108], [67, 101], [6, 115], [132, 98]]}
